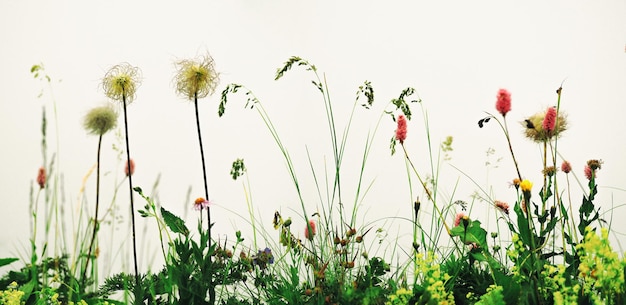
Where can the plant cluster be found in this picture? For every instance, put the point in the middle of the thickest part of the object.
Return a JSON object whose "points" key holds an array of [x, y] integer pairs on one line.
{"points": [[545, 253]]}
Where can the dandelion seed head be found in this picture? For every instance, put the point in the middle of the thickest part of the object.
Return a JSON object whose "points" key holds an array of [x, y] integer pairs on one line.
{"points": [[121, 81], [196, 78], [100, 120]]}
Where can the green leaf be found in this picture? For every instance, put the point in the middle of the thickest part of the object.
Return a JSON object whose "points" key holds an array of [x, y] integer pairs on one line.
{"points": [[472, 234], [6, 261], [174, 222]]}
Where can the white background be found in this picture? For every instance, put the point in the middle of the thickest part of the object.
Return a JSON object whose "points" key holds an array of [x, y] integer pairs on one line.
{"points": [[456, 54]]}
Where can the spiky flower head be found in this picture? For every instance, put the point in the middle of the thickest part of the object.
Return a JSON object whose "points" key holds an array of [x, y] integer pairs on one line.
{"points": [[100, 120], [401, 129], [566, 167], [196, 78], [503, 101], [536, 125], [41, 177], [121, 82]]}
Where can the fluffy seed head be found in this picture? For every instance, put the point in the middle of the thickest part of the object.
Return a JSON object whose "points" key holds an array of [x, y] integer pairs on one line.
{"points": [[121, 82], [196, 78], [100, 120]]}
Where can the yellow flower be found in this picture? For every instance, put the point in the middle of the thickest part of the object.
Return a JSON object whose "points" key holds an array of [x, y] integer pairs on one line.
{"points": [[121, 82], [196, 78], [526, 185]]}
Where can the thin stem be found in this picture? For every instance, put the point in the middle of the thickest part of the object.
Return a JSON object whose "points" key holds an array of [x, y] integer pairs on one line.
{"points": [[95, 219], [406, 154], [132, 205], [206, 188], [206, 193], [508, 140]]}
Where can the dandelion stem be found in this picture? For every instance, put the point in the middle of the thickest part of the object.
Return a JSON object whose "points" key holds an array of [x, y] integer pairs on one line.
{"points": [[95, 219], [206, 193], [132, 205]]}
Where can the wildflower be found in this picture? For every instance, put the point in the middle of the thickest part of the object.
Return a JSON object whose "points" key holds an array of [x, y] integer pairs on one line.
{"points": [[121, 82], [401, 129], [589, 173], [503, 103], [549, 120], [263, 258], [196, 78], [457, 219], [41, 178], [100, 120], [526, 185], [129, 171], [309, 230], [566, 167], [595, 164], [516, 182], [201, 203], [549, 171], [503, 206]]}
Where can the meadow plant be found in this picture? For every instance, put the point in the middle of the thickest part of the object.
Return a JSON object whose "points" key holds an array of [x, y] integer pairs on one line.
{"points": [[546, 255], [120, 84], [98, 121]]}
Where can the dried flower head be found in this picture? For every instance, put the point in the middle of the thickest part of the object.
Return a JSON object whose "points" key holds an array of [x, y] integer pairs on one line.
{"points": [[41, 178], [129, 171], [503, 102], [100, 120], [196, 78], [310, 230], [516, 182], [502, 206], [121, 82], [595, 164], [566, 167], [549, 171], [401, 129], [536, 129]]}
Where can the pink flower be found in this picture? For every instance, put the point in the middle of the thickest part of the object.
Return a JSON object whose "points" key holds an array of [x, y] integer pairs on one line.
{"points": [[201, 203], [503, 103], [309, 234], [566, 167], [457, 219], [132, 167], [549, 121], [41, 177], [503, 206], [589, 173], [401, 130]]}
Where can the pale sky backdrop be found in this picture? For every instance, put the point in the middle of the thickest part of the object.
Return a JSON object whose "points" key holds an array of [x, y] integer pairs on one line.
{"points": [[456, 54]]}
